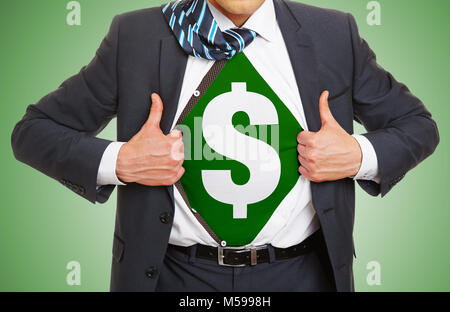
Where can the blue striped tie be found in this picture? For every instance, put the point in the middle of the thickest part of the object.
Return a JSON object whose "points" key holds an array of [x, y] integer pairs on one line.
{"points": [[198, 33]]}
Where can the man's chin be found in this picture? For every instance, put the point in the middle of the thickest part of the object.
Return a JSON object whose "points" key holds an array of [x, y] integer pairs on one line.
{"points": [[238, 7]]}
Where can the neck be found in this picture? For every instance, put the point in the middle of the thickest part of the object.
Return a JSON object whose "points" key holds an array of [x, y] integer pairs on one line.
{"points": [[237, 19]]}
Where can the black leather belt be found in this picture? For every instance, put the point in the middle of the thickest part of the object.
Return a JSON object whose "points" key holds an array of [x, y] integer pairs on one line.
{"points": [[242, 256]]}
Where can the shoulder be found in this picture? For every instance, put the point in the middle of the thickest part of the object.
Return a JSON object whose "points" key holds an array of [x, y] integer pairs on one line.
{"points": [[140, 15], [149, 20], [319, 19], [328, 28], [310, 11]]}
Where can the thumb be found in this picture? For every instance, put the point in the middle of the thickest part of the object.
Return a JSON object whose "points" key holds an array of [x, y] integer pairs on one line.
{"points": [[156, 111], [325, 114]]}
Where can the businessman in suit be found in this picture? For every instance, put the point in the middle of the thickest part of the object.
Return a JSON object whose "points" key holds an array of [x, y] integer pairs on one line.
{"points": [[144, 73]]}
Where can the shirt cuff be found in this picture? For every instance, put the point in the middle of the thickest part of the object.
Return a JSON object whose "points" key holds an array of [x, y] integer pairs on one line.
{"points": [[369, 163], [107, 170]]}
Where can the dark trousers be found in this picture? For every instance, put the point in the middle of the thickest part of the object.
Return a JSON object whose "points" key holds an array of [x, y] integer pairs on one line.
{"points": [[186, 273]]}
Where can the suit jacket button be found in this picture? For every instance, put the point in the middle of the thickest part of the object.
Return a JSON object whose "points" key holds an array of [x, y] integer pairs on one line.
{"points": [[164, 217], [151, 272]]}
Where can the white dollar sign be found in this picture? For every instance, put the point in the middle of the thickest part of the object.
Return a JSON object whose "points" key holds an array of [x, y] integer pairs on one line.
{"points": [[221, 136]]}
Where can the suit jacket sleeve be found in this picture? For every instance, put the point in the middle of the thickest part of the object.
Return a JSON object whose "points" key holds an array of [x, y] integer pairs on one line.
{"points": [[57, 135], [399, 126]]}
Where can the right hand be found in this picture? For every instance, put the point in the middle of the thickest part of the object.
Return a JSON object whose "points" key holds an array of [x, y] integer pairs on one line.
{"points": [[150, 157]]}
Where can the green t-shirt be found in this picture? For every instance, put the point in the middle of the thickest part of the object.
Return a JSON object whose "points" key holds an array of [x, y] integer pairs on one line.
{"points": [[240, 153]]}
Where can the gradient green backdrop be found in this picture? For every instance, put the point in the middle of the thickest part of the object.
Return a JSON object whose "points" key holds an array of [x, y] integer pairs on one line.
{"points": [[43, 225]]}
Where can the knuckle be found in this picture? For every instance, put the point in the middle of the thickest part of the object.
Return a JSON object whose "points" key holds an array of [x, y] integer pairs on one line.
{"points": [[174, 144], [171, 179], [310, 155], [317, 177], [176, 164], [180, 146], [314, 178], [301, 150], [167, 145], [175, 158], [174, 178], [172, 162], [306, 154], [174, 169]]}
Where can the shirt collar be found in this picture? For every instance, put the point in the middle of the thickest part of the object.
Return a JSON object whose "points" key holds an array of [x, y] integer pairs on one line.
{"points": [[263, 21]]}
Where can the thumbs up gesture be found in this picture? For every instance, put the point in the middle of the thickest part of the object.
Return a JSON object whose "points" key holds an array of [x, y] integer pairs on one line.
{"points": [[329, 154], [151, 157]]}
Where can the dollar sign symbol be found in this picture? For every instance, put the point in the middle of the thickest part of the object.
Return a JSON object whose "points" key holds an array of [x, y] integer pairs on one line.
{"points": [[221, 135]]}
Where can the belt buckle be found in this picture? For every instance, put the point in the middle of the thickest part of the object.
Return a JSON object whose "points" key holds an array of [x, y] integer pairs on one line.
{"points": [[252, 249]]}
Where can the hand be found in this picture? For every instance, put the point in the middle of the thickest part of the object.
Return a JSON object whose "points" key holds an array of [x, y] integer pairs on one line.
{"points": [[150, 157], [330, 154]]}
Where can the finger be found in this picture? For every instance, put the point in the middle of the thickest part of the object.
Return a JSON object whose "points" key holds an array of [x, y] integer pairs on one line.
{"points": [[304, 172], [304, 162], [156, 111], [179, 175], [301, 149], [324, 109], [176, 134], [305, 137], [177, 150]]}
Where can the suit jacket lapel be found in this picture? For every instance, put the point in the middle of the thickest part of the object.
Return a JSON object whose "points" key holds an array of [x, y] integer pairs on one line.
{"points": [[301, 52], [172, 66]]}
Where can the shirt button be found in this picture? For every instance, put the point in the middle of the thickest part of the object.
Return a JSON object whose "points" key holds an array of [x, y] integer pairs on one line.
{"points": [[196, 93], [151, 272], [164, 217]]}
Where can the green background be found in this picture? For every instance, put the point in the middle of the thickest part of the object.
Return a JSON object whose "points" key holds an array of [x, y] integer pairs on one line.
{"points": [[43, 225]]}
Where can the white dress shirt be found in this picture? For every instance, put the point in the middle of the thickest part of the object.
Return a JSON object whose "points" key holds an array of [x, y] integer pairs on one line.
{"points": [[295, 218]]}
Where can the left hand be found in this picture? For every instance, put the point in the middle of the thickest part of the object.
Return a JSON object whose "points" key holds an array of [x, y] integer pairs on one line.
{"points": [[330, 154]]}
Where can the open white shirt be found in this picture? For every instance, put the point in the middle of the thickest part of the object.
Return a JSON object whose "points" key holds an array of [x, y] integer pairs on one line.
{"points": [[295, 218]]}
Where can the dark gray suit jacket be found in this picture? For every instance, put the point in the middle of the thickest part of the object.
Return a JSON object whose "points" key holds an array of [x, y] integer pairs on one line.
{"points": [[140, 56]]}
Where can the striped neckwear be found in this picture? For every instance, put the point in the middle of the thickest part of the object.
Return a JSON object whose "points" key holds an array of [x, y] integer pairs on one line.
{"points": [[198, 34]]}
